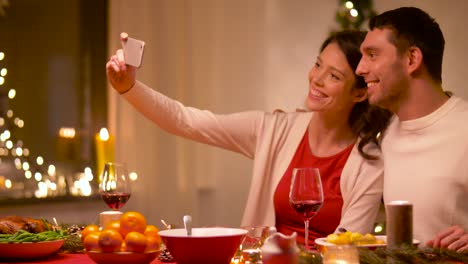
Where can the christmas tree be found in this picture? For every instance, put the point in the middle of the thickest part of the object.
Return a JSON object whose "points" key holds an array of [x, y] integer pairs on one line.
{"points": [[352, 14]]}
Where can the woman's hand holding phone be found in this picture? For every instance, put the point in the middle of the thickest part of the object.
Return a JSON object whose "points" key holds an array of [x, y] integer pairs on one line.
{"points": [[133, 50], [120, 74]]}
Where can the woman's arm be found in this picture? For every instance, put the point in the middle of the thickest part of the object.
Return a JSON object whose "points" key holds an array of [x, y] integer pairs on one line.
{"points": [[362, 188], [236, 132]]}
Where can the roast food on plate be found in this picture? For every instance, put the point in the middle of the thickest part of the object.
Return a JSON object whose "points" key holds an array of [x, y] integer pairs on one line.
{"points": [[15, 229], [13, 224], [354, 238]]}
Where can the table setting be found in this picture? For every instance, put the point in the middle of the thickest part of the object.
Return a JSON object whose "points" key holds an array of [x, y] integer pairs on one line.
{"points": [[127, 237]]}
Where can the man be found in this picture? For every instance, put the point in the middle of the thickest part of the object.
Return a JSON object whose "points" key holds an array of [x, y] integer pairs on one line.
{"points": [[425, 147]]}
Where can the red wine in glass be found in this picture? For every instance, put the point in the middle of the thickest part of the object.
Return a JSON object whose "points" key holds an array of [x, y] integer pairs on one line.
{"points": [[115, 185], [306, 209], [115, 200], [306, 196]]}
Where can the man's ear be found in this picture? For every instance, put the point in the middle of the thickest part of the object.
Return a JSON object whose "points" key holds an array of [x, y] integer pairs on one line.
{"points": [[360, 94], [415, 59]]}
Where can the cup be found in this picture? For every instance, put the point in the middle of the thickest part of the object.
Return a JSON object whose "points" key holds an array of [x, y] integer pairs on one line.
{"points": [[341, 254], [249, 251]]}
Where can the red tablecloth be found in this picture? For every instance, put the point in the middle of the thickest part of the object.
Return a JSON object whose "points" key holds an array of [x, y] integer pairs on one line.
{"points": [[65, 259]]}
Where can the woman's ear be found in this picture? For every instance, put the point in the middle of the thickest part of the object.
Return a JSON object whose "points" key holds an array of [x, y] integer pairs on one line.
{"points": [[360, 94]]}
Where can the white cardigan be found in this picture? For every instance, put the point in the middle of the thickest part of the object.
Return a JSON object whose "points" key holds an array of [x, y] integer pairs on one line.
{"points": [[270, 139]]}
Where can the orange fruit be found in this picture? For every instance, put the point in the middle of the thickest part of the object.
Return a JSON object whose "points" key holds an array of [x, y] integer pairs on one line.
{"points": [[115, 224], [91, 241], [132, 221], [135, 242], [87, 230], [153, 232], [110, 240], [152, 243]]}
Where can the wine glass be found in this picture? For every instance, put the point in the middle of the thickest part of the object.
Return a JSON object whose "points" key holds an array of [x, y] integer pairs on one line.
{"points": [[115, 185], [306, 195]]}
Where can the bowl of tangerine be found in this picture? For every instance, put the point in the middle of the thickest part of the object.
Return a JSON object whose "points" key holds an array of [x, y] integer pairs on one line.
{"points": [[127, 240]]}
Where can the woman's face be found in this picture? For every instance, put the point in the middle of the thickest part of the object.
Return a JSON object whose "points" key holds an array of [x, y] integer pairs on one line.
{"points": [[331, 83]]}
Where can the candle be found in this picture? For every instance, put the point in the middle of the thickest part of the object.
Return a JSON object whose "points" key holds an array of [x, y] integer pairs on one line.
{"points": [[104, 150], [399, 221], [108, 216], [67, 144]]}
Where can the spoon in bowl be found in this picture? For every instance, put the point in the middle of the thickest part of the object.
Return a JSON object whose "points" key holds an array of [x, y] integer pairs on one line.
{"points": [[188, 224]]}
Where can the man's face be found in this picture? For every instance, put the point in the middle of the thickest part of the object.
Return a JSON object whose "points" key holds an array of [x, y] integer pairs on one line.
{"points": [[383, 69]]}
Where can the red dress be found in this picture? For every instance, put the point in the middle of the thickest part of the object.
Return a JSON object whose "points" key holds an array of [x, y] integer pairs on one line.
{"points": [[327, 219]]}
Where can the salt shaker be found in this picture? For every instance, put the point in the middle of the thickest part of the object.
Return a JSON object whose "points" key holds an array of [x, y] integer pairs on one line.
{"points": [[399, 221]]}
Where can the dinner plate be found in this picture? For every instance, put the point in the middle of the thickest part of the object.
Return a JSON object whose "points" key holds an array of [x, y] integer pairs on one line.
{"points": [[322, 242], [29, 250], [123, 257]]}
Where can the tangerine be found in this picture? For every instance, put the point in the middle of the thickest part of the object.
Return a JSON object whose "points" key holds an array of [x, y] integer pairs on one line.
{"points": [[135, 242], [152, 231], [87, 230], [115, 224], [91, 241], [152, 243], [132, 221], [110, 240]]}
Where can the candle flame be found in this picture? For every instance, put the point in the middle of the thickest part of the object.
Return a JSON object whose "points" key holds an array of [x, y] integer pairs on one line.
{"points": [[67, 132], [104, 134]]}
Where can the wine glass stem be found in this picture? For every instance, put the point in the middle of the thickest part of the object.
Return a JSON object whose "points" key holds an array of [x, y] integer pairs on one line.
{"points": [[306, 233]]}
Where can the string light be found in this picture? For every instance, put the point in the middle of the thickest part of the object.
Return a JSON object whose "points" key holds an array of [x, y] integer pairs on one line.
{"points": [[351, 14]]}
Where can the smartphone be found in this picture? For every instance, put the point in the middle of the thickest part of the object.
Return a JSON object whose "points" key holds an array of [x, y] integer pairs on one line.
{"points": [[133, 52]]}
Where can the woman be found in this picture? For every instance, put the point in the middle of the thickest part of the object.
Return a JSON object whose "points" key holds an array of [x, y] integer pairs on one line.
{"points": [[338, 135]]}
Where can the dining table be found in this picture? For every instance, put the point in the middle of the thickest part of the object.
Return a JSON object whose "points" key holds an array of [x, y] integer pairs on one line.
{"points": [[66, 258]]}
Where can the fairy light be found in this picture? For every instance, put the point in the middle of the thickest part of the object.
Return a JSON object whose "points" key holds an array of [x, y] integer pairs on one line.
{"points": [[18, 164], [28, 174], [19, 152], [133, 176], [5, 135], [2, 56], [11, 93], [39, 160], [349, 4], [38, 176], [25, 166], [3, 152], [8, 184], [51, 170], [353, 12], [88, 174]]}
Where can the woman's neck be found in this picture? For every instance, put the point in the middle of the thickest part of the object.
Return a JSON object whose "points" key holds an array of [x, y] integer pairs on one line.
{"points": [[329, 134]]}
